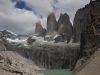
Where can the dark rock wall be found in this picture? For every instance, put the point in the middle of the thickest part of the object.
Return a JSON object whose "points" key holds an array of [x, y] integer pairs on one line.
{"points": [[51, 57], [65, 27], [90, 37], [82, 18]]}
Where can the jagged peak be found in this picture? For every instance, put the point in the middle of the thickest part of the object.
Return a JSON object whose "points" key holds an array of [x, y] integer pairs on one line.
{"points": [[38, 24], [52, 14], [93, 1], [61, 14]]}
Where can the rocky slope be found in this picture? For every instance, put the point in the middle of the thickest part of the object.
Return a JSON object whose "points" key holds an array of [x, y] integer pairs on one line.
{"points": [[90, 44], [89, 67], [7, 34], [11, 63]]}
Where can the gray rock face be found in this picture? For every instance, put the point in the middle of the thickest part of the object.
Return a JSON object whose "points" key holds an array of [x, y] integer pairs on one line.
{"points": [[51, 27], [51, 23], [39, 30], [82, 18], [6, 34], [90, 37], [49, 56], [1, 35], [59, 39], [30, 41], [50, 36], [65, 27]]}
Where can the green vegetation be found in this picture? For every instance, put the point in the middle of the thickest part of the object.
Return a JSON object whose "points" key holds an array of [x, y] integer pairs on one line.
{"points": [[56, 72]]}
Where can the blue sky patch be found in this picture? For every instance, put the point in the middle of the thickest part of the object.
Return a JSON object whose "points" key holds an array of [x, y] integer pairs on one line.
{"points": [[21, 5]]}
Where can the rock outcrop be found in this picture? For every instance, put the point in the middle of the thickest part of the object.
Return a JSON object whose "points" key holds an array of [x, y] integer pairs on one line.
{"points": [[39, 30], [65, 27], [30, 40], [51, 27], [90, 43], [90, 38], [7, 34], [12, 65], [91, 35], [51, 23], [82, 18]]}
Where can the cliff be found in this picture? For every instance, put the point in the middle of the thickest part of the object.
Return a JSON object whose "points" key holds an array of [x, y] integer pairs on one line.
{"points": [[65, 28], [89, 55], [39, 30], [82, 18], [49, 56]]}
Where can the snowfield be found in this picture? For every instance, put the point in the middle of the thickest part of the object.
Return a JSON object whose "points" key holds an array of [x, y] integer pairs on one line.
{"points": [[17, 41], [41, 41]]}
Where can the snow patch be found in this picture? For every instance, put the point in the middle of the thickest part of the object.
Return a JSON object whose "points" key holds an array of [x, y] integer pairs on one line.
{"points": [[11, 32], [17, 41], [56, 36], [48, 36]]}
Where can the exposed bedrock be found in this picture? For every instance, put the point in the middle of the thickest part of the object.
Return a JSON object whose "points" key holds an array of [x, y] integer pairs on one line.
{"points": [[39, 30], [51, 23], [90, 39], [65, 27], [91, 35], [51, 57], [51, 27], [82, 18]]}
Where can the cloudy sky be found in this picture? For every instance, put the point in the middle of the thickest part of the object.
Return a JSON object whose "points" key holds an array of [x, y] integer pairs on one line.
{"points": [[20, 16]]}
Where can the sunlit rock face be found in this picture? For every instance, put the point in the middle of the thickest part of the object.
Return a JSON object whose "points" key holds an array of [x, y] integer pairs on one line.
{"points": [[39, 30]]}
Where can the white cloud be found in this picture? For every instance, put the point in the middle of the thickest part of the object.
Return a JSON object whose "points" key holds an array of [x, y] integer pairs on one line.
{"points": [[22, 21], [42, 7]]}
